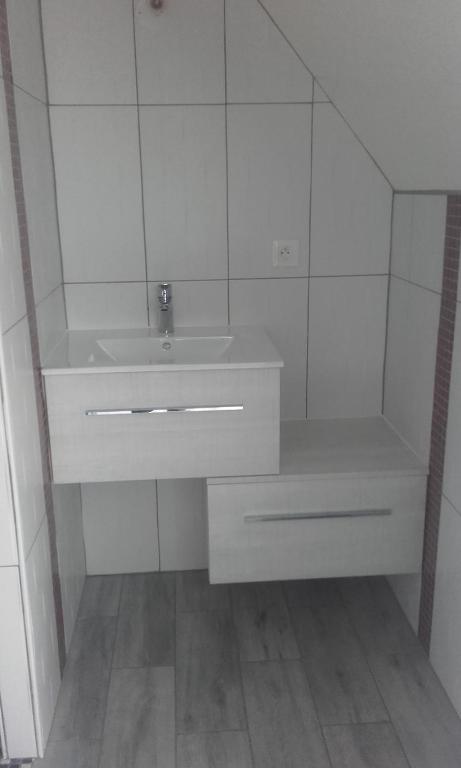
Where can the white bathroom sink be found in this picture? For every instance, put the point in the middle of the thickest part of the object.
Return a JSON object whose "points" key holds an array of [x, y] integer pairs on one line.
{"points": [[148, 350], [141, 349]]}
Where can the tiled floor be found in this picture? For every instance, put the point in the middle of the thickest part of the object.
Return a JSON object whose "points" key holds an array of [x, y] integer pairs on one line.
{"points": [[168, 672]]}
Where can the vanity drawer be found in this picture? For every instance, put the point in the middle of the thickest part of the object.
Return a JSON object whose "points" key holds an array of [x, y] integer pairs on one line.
{"points": [[315, 528], [184, 424]]}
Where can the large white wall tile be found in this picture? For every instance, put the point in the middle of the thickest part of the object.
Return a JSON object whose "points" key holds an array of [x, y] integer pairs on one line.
{"points": [[8, 544], [446, 624], [89, 51], [182, 524], [452, 479], [39, 193], [51, 321], [281, 307], [418, 239], [39, 612], [319, 94], [12, 300], [184, 177], [413, 322], [347, 328], [351, 202], [106, 305], [71, 551], [199, 303], [120, 527], [269, 179], [98, 180], [180, 52], [22, 434], [14, 669], [407, 589], [24, 29], [261, 65]]}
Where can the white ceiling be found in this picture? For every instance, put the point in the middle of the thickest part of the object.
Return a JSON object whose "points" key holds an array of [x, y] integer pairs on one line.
{"points": [[393, 68]]}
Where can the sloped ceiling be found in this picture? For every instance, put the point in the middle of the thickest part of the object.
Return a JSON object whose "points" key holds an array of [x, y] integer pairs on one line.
{"points": [[393, 68]]}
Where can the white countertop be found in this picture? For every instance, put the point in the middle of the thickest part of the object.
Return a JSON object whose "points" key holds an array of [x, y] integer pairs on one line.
{"points": [[83, 351], [320, 448]]}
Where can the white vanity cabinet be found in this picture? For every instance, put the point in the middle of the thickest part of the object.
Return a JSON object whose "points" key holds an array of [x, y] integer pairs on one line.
{"points": [[136, 405], [142, 425], [349, 501]]}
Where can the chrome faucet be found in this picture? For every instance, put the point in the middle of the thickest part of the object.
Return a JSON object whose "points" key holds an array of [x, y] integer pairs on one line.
{"points": [[165, 315]]}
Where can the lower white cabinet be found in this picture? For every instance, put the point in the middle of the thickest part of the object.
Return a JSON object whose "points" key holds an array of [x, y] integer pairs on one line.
{"points": [[315, 528], [143, 425], [357, 510]]}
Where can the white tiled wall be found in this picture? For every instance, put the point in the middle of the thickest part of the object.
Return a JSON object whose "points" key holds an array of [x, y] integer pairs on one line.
{"points": [[14, 669], [71, 551], [184, 172], [98, 182], [351, 202], [261, 66], [120, 527], [446, 626], [347, 324], [281, 307], [225, 149], [43, 643], [269, 182], [418, 233]]}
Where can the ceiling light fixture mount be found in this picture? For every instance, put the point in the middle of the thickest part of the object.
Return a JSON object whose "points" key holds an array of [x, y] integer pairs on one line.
{"points": [[157, 5]]}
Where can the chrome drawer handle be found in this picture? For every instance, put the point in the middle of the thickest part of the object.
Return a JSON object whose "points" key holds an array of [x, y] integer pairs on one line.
{"points": [[171, 409], [276, 517]]}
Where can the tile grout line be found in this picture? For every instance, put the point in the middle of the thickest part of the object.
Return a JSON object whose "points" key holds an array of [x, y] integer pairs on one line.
{"points": [[367, 661], [388, 296], [441, 398], [226, 141], [104, 722], [305, 675], [239, 662], [53, 163], [309, 245], [141, 171]]}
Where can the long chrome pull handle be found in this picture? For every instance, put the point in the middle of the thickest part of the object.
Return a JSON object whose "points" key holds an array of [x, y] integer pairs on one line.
{"points": [[269, 517], [170, 409]]}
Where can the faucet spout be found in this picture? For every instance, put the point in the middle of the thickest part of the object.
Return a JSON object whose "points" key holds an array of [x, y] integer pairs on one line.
{"points": [[165, 316]]}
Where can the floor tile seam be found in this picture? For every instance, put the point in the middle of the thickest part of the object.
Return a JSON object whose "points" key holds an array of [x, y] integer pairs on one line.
{"points": [[211, 732], [240, 674], [306, 677], [111, 668], [373, 676]]}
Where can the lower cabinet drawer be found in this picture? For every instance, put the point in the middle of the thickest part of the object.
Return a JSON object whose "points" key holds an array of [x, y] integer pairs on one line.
{"points": [[142, 425], [315, 528]]}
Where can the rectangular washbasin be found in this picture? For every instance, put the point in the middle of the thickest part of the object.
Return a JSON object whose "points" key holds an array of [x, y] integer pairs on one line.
{"points": [[168, 350], [138, 349]]}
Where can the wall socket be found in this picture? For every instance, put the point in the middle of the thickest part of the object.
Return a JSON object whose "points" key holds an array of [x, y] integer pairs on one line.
{"points": [[285, 253]]}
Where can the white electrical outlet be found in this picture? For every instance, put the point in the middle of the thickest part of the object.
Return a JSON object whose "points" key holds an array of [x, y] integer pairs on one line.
{"points": [[285, 253]]}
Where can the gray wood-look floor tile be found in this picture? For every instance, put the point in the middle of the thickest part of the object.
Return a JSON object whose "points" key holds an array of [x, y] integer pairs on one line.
{"points": [[229, 749], [72, 753], [377, 616], [195, 593], [373, 745], [146, 624], [311, 592], [341, 682], [283, 727], [208, 684], [82, 696], [426, 723], [101, 596], [263, 623], [140, 723]]}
